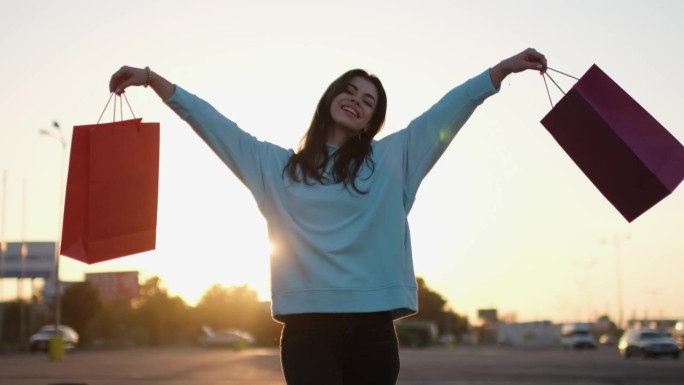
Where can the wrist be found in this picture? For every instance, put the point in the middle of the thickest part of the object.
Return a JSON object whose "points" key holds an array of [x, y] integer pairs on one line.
{"points": [[498, 73], [503, 69], [148, 80]]}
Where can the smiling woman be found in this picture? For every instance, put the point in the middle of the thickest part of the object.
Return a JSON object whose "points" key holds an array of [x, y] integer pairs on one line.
{"points": [[336, 209], [353, 109]]}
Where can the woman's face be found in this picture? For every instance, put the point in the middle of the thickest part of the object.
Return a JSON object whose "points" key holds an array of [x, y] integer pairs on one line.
{"points": [[352, 109]]}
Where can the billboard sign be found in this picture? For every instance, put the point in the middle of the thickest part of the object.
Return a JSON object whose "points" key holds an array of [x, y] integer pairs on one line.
{"points": [[488, 315], [115, 286], [38, 260]]}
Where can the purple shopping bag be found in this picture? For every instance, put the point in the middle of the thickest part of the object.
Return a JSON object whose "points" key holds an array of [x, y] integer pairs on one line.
{"points": [[630, 157]]}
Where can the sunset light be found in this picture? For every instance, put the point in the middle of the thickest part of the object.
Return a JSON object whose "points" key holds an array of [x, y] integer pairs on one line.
{"points": [[504, 220]]}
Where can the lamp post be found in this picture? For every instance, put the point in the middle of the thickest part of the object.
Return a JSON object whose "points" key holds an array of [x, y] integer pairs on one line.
{"points": [[56, 348], [618, 261], [3, 252], [586, 284]]}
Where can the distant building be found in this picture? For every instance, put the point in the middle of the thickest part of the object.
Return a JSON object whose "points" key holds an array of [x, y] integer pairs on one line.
{"points": [[665, 325], [115, 285], [527, 334]]}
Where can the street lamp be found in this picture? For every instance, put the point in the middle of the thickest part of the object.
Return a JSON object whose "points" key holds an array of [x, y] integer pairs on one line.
{"points": [[618, 260], [57, 134]]}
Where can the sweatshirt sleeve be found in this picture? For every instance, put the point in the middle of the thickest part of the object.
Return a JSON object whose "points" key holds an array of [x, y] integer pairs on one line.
{"points": [[428, 136], [241, 152]]}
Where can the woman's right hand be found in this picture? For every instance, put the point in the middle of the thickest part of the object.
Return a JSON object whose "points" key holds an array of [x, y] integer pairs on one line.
{"points": [[127, 76], [130, 76]]}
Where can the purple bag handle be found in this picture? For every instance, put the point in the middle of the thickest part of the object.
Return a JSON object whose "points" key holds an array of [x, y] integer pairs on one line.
{"points": [[554, 82]]}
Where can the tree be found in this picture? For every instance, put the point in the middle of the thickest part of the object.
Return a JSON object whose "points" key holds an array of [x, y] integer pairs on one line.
{"points": [[228, 307], [160, 318], [10, 321], [114, 324], [433, 307], [604, 325], [80, 303]]}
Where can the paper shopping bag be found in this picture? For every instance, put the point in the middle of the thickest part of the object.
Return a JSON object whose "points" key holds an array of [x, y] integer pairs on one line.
{"points": [[110, 207], [630, 157]]}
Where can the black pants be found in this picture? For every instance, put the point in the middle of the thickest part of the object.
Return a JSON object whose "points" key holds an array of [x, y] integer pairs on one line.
{"points": [[339, 349]]}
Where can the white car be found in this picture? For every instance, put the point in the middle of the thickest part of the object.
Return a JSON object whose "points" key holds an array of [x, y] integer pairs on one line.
{"points": [[647, 343], [577, 336], [226, 338], [41, 339]]}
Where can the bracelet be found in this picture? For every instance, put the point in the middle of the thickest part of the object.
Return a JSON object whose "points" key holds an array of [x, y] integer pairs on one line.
{"points": [[149, 76]]}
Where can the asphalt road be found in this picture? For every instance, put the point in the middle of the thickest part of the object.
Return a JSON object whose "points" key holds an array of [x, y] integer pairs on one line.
{"points": [[434, 366]]}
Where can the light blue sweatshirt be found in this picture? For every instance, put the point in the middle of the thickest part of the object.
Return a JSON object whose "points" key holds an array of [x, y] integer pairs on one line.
{"points": [[337, 251]]}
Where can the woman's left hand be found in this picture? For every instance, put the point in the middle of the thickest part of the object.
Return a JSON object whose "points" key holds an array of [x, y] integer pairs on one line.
{"points": [[528, 59]]}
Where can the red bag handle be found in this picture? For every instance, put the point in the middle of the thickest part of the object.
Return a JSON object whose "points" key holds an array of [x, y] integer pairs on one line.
{"points": [[120, 107], [554, 82]]}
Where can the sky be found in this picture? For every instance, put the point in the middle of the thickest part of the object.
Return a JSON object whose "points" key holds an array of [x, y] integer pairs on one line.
{"points": [[504, 220]]}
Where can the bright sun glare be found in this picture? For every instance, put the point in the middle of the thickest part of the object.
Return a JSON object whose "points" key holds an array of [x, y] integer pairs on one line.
{"points": [[242, 267]]}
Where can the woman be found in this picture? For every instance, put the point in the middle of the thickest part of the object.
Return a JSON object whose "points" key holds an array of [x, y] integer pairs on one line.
{"points": [[336, 210]]}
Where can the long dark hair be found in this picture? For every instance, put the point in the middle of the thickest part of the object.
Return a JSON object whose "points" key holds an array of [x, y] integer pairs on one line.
{"points": [[309, 162]]}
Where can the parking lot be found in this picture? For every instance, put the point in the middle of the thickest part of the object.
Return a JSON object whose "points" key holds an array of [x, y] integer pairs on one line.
{"points": [[432, 366]]}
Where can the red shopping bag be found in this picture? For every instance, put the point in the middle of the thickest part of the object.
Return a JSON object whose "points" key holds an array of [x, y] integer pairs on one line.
{"points": [[630, 157], [110, 208]]}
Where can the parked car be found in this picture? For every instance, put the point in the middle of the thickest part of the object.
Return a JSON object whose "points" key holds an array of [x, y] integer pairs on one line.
{"points": [[647, 343], [227, 338], [678, 334], [577, 336], [41, 339]]}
